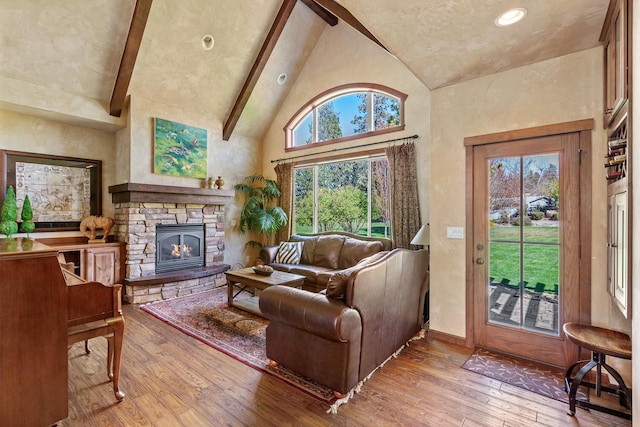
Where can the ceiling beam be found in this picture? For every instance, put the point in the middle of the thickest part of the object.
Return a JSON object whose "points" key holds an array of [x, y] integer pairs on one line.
{"points": [[259, 64], [323, 13], [128, 61], [342, 13]]}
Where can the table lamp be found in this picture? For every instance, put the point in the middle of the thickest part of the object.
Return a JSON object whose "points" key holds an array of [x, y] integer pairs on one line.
{"points": [[422, 237]]}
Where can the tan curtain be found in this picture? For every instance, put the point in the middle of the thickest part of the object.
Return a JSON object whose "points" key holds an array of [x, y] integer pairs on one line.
{"points": [[284, 178], [403, 191]]}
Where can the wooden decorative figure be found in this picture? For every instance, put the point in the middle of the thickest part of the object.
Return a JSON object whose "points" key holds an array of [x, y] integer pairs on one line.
{"points": [[94, 222]]}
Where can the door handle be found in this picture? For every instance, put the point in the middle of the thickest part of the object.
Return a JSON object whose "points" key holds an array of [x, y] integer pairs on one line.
{"points": [[479, 261]]}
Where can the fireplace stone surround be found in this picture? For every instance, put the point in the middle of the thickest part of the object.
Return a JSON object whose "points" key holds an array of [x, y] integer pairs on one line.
{"points": [[139, 208]]}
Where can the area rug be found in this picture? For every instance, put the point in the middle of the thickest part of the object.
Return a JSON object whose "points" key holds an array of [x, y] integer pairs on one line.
{"points": [[235, 332], [530, 376], [241, 335]]}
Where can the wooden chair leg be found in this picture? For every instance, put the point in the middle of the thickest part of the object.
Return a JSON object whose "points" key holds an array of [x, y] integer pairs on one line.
{"points": [[110, 345], [86, 347], [118, 336]]}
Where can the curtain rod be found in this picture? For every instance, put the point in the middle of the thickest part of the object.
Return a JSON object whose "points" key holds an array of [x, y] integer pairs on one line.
{"points": [[344, 148]]}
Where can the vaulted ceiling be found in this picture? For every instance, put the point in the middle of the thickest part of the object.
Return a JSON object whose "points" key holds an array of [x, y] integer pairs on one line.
{"points": [[76, 46]]}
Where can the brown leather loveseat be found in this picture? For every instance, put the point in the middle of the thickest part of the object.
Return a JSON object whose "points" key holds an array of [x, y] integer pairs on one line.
{"points": [[325, 253], [340, 336]]}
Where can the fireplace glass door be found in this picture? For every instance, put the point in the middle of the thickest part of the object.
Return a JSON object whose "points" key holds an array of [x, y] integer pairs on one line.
{"points": [[179, 247]]}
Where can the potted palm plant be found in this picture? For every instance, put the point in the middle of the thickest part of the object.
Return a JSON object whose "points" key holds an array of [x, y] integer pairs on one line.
{"points": [[260, 214]]}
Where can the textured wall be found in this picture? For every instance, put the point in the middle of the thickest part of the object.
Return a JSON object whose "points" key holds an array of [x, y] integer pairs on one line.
{"points": [[231, 159], [37, 135], [343, 56], [559, 90]]}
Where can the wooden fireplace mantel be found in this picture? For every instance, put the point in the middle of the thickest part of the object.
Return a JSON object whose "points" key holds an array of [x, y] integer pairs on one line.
{"points": [[149, 193]]}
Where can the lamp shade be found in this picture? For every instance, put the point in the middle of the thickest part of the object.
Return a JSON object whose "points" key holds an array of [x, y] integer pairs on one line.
{"points": [[422, 236]]}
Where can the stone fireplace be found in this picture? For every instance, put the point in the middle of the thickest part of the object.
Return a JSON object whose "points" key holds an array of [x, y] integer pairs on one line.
{"points": [[141, 210]]}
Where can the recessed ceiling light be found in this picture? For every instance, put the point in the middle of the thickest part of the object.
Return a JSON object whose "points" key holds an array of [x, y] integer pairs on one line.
{"points": [[207, 42], [511, 16], [282, 79]]}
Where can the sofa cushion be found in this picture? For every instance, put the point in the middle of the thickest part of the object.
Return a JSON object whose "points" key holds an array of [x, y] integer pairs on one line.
{"points": [[337, 283], [308, 249], [282, 267], [289, 253], [310, 272], [354, 250], [328, 251]]}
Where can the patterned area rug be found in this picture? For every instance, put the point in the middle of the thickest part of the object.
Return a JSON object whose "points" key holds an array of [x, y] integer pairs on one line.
{"points": [[237, 333], [530, 376]]}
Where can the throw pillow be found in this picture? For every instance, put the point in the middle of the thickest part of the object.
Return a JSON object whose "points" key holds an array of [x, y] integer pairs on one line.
{"points": [[289, 253]]}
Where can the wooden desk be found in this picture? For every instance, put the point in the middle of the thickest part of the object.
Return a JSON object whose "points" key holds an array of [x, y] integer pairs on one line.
{"points": [[33, 327]]}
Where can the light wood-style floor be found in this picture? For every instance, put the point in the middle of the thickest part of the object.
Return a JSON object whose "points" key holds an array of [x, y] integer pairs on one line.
{"points": [[172, 380]]}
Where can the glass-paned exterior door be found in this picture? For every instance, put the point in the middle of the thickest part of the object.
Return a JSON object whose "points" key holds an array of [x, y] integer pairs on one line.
{"points": [[524, 243]]}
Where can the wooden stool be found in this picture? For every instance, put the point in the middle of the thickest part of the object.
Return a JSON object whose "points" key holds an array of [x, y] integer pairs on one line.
{"points": [[601, 342]]}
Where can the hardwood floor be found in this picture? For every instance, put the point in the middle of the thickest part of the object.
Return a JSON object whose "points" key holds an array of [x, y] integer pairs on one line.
{"points": [[171, 379]]}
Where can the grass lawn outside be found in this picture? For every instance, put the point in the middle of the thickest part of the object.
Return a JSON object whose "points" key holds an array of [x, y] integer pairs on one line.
{"points": [[540, 273]]}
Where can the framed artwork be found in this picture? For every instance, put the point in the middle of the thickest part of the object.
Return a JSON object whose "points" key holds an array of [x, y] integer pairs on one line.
{"points": [[62, 190], [179, 150]]}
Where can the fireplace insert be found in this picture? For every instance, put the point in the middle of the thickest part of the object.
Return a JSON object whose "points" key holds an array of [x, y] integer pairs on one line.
{"points": [[179, 247]]}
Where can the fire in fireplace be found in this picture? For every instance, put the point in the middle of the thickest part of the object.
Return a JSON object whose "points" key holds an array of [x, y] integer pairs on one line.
{"points": [[179, 247]]}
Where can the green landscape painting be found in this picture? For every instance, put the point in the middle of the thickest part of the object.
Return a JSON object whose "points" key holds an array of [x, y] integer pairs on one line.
{"points": [[179, 150]]}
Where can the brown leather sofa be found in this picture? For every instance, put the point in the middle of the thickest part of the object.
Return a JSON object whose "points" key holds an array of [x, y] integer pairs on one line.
{"points": [[325, 253], [340, 336]]}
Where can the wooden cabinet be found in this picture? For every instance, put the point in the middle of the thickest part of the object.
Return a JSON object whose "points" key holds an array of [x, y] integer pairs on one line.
{"points": [[617, 120], [99, 262], [102, 264], [33, 331], [618, 248], [616, 44]]}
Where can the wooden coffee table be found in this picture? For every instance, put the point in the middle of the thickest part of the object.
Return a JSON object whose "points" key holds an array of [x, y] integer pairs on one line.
{"points": [[246, 278]]}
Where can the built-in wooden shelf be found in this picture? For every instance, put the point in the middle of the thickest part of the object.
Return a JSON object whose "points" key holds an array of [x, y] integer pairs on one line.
{"points": [[149, 193]]}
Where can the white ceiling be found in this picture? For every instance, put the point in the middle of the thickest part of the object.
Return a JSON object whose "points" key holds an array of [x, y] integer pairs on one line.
{"points": [[446, 42], [75, 46]]}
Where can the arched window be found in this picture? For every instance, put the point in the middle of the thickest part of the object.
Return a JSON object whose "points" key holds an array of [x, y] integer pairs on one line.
{"points": [[344, 113]]}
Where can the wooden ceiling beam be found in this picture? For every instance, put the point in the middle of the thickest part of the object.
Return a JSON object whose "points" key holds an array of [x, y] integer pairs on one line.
{"points": [[259, 64], [323, 13], [128, 61], [342, 13]]}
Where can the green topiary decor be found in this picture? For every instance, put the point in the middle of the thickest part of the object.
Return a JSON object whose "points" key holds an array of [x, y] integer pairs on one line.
{"points": [[27, 225], [9, 226]]}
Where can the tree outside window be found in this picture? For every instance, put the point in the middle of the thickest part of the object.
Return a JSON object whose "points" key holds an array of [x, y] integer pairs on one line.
{"points": [[352, 196], [351, 112]]}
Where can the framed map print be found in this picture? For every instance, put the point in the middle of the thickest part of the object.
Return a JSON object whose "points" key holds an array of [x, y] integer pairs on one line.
{"points": [[62, 190]]}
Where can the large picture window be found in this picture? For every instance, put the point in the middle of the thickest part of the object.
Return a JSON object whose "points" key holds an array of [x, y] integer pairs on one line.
{"points": [[345, 113], [349, 195]]}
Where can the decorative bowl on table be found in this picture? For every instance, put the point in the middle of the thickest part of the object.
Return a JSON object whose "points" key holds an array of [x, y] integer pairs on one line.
{"points": [[263, 270]]}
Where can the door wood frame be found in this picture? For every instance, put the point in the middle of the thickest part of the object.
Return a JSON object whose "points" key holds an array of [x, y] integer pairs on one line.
{"points": [[584, 129]]}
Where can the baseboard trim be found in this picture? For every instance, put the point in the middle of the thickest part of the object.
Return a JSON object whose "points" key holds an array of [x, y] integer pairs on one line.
{"points": [[443, 336]]}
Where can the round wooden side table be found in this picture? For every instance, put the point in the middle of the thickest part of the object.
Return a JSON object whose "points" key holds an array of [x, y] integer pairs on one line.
{"points": [[602, 343]]}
